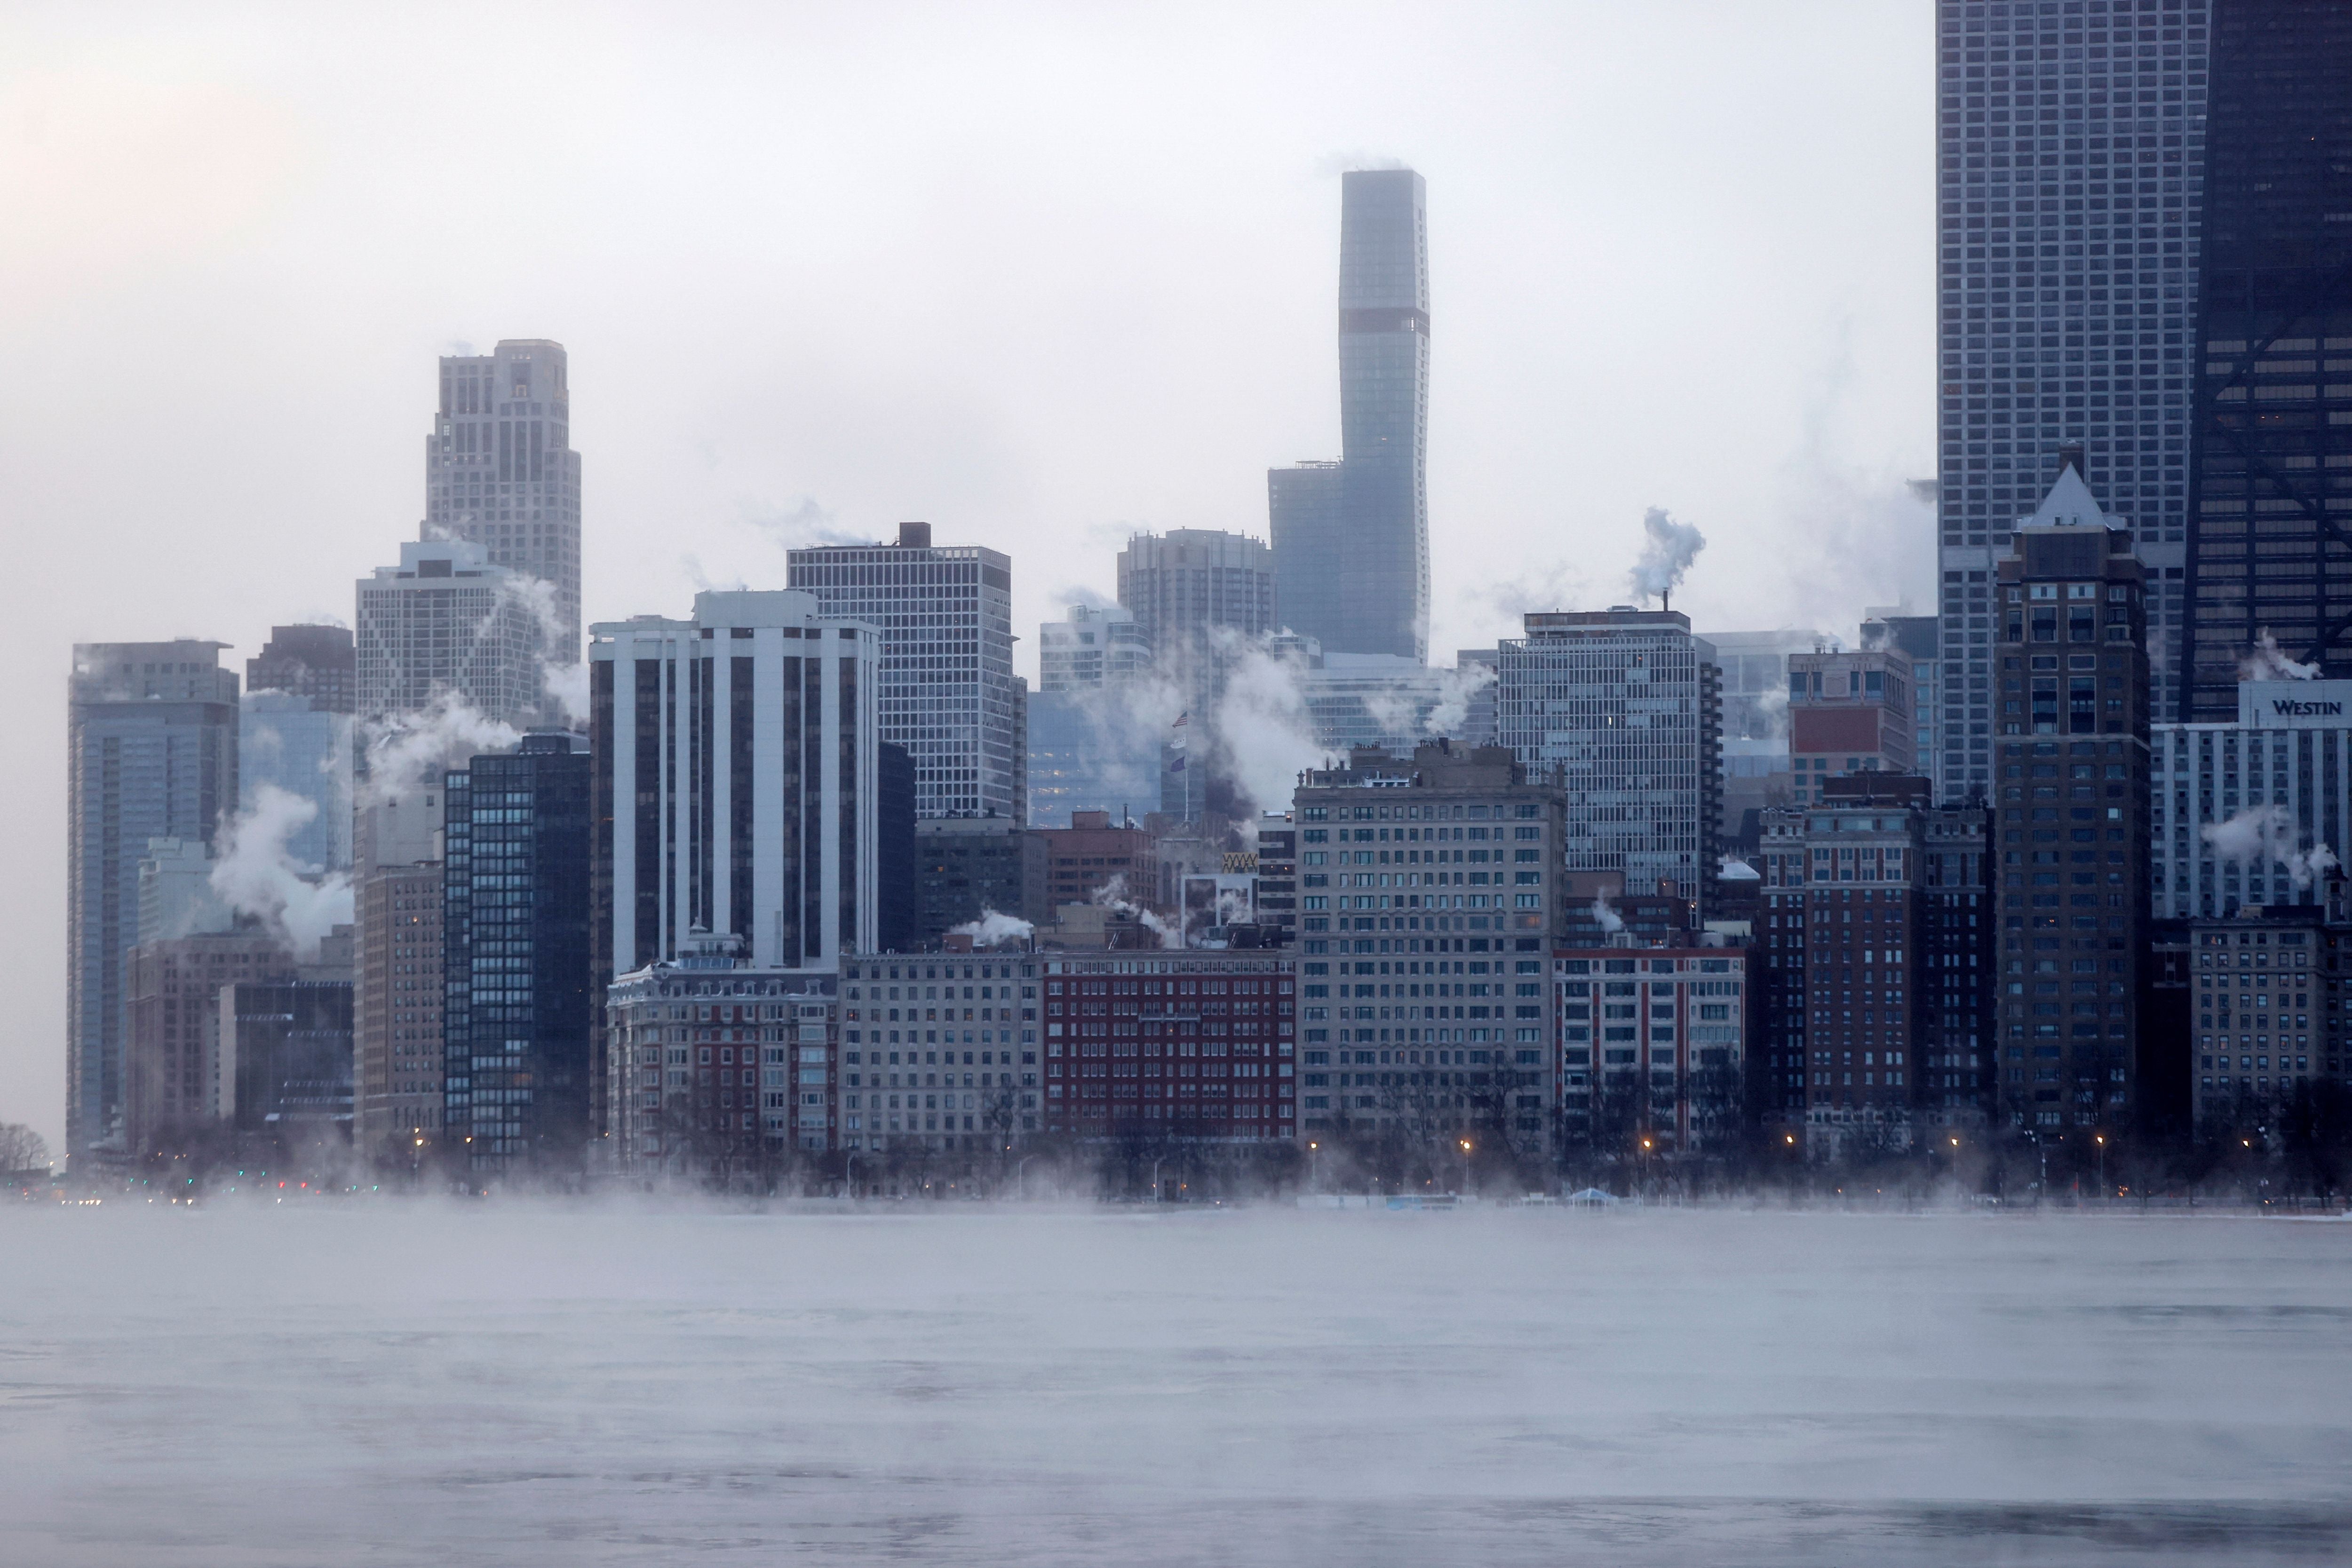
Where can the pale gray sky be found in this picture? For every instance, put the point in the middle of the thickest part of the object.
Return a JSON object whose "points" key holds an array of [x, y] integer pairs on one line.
{"points": [[1036, 273]]}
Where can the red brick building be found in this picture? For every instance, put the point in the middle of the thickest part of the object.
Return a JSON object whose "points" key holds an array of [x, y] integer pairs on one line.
{"points": [[1200, 1044]]}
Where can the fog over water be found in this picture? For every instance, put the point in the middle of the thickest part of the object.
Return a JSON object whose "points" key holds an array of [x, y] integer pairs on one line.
{"points": [[508, 1383]]}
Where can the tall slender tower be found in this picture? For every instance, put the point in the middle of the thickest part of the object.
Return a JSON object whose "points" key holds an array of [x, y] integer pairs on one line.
{"points": [[499, 471], [1352, 541], [152, 746], [2070, 179]]}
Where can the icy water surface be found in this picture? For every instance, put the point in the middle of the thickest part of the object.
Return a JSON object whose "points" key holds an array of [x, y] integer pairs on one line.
{"points": [[511, 1385]]}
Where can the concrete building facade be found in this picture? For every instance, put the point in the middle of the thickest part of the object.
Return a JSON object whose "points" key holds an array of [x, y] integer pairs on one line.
{"points": [[1624, 708], [735, 785], [943, 616], [447, 624], [500, 473]]}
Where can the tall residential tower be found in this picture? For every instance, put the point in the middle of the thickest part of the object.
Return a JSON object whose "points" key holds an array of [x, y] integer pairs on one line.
{"points": [[1352, 539], [151, 749]]}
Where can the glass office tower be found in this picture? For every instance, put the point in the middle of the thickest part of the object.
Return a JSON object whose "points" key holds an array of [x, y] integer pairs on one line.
{"points": [[2272, 479]]}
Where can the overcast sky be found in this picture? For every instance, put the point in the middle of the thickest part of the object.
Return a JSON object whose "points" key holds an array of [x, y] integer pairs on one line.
{"points": [[1038, 274]]}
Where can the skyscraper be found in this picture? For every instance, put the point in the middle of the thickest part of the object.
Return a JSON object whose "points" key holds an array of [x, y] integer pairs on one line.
{"points": [[735, 784], [517, 1009], [1187, 586], [2071, 170], [1200, 595], [1625, 708], [1352, 541], [945, 614], [446, 622], [151, 745], [2273, 450], [291, 744], [316, 662], [1092, 645], [499, 471], [2072, 817]]}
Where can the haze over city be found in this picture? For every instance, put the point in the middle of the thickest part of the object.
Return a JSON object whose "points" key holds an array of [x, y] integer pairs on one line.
{"points": [[1036, 783], [1038, 275]]}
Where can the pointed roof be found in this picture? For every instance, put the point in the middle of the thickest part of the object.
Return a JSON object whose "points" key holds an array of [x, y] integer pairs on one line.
{"points": [[2069, 504]]}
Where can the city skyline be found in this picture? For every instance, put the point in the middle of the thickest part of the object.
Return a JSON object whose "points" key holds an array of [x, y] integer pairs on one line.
{"points": [[723, 458]]}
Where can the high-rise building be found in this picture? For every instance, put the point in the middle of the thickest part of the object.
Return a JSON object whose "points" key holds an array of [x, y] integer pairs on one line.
{"points": [[1920, 639], [1203, 597], [735, 785], [1958, 975], [1093, 749], [1422, 873], [316, 662], [945, 615], [286, 1045], [1231, 1012], [1092, 854], [178, 1084], [897, 1089], [396, 1001], [2264, 1032], [1653, 1046], [1094, 645], [516, 1006], [1755, 676], [894, 848], [1189, 587], [1624, 707], [1379, 700], [1475, 669], [1352, 541], [2271, 472], [968, 867], [499, 472], [755, 1074], [150, 746], [1874, 952], [2071, 173], [446, 623], [2239, 809], [2071, 822], [291, 744], [1848, 713]]}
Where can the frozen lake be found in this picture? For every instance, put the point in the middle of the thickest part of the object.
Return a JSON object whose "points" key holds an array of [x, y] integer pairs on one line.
{"points": [[511, 1385]]}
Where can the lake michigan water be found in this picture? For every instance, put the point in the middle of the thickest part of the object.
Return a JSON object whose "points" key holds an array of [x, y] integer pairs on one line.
{"points": [[540, 1384]]}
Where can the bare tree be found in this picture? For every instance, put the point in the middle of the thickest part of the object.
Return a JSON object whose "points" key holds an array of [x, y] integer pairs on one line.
{"points": [[22, 1149]]}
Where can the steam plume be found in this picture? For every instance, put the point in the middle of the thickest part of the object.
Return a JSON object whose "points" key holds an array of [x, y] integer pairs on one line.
{"points": [[2266, 661], [256, 876], [565, 682], [1667, 552], [1611, 921], [992, 928], [408, 751], [1112, 894], [2262, 833]]}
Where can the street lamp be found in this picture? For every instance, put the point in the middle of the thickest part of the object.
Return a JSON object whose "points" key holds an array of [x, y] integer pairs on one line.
{"points": [[1020, 1173], [2101, 1140], [1312, 1148], [1465, 1167], [1155, 1181]]}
